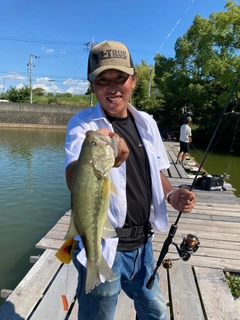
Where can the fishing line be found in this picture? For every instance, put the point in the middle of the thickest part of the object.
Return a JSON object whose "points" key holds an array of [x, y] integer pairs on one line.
{"points": [[217, 141], [191, 145], [64, 296], [174, 27]]}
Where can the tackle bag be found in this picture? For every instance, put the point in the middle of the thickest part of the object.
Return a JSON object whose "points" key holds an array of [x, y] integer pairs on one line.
{"points": [[210, 183]]}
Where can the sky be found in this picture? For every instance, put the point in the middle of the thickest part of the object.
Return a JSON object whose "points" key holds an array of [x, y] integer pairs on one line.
{"points": [[55, 36]]}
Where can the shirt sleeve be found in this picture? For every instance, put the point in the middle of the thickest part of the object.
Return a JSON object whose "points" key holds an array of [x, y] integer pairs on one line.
{"points": [[75, 136]]}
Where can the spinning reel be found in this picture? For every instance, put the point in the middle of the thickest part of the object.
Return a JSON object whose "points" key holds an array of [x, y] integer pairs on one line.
{"points": [[189, 245]]}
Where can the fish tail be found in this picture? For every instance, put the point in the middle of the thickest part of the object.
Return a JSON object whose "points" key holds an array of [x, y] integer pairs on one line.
{"points": [[93, 274], [93, 277], [105, 270]]}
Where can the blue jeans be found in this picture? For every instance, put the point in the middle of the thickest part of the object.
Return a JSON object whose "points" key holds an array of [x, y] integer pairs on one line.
{"points": [[132, 270]]}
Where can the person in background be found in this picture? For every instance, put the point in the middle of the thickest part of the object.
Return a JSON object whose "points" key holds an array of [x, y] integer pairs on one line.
{"points": [[185, 140], [142, 187]]}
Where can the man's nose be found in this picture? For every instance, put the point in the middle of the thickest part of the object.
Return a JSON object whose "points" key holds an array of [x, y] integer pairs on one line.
{"points": [[112, 86]]}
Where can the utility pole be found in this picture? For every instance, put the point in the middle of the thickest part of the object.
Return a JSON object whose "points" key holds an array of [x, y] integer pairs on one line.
{"points": [[30, 64], [89, 46]]}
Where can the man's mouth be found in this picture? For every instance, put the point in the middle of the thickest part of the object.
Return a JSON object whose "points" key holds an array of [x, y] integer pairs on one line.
{"points": [[113, 99]]}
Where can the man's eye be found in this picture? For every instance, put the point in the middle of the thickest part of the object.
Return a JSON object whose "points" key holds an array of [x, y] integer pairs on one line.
{"points": [[102, 80], [121, 78]]}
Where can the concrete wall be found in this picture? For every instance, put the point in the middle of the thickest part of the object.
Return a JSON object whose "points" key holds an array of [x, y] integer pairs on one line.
{"points": [[36, 115]]}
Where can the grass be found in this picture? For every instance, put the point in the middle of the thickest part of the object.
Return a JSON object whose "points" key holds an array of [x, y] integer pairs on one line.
{"points": [[234, 284]]}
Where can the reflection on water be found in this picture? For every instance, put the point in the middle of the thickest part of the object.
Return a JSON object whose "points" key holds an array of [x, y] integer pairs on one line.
{"points": [[33, 195]]}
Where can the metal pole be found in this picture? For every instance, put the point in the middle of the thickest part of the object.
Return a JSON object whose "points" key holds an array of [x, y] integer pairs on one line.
{"points": [[89, 46], [30, 74]]}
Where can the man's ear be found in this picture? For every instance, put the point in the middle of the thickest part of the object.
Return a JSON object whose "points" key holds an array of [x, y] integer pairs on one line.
{"points": [[91, 87], [134, 77]]}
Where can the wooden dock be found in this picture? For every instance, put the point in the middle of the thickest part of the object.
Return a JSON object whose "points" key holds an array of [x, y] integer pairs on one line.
{"points": [[194, 290]]}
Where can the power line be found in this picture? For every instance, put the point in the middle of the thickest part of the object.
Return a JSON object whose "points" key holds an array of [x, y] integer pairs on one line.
{"points": [[67, 43], [72, 43], [10, 75]]}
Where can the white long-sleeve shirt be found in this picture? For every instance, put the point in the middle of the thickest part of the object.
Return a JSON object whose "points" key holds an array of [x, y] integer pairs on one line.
{"points": [[93, 119]]}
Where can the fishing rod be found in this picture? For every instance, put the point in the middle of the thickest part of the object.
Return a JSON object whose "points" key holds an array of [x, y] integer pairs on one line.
{"points": [[190, 244]]}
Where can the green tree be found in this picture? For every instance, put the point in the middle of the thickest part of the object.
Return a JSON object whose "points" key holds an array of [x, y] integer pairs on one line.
{"points": [[145, 96], [19, 95], [206, 65], [38, 92]]}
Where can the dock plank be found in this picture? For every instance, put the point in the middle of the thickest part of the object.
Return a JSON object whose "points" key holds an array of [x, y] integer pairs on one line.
{"points": [[25, 297], [185, 300], [163, 282], [51, 306], [218, 303]]}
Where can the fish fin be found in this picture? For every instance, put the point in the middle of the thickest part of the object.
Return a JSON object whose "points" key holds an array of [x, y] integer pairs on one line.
{"points": [[93, 274], [105, 189], [64, 254], [93, 277], [113, 189], [105, 270], [114, 146], [72, 230], [108, 231]]}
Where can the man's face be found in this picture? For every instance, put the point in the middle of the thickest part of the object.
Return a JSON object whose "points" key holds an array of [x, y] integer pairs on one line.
{"points": [[113, 89]]}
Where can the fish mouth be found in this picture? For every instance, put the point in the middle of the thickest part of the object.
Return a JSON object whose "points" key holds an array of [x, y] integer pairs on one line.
{"points": [[99, 137]]}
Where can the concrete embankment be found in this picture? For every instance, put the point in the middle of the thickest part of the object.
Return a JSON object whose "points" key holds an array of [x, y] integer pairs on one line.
{"points": [[36, 115]]}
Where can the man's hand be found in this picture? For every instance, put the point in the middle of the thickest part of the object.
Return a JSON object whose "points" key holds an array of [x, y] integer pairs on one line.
{"points": [[182, 200], [123, 151]]}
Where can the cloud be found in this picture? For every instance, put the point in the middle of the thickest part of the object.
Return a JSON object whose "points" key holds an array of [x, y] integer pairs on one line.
{"points": [[76, 86], [44, 80], [20, 86], [51, 88], [47, 50], [13, 76]]}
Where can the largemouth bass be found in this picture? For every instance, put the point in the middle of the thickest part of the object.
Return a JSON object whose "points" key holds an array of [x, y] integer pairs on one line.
{"points": [[90, 200]]}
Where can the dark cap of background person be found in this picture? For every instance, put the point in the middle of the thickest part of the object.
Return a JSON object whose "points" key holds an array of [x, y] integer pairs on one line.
{"points": [[109, 55]]}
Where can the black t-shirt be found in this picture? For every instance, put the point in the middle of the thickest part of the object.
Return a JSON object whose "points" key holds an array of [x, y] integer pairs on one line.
{"points": [[138, 184]]}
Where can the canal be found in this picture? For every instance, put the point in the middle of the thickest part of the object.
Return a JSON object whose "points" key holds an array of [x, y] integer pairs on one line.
{"points": [[33, 196]]}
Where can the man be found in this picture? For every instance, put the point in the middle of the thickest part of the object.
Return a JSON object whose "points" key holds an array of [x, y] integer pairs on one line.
{"points": [[185, 140], [142, 187]]}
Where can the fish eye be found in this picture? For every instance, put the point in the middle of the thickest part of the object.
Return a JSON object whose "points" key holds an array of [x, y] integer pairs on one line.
{"points": [[93, 143]]}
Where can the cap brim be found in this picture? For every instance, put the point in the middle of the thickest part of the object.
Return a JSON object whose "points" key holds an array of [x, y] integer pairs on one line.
{"points": [[94, 74]]}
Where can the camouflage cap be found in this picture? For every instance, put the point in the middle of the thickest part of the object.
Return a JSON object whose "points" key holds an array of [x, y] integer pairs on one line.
{"points": [[109, 55]]}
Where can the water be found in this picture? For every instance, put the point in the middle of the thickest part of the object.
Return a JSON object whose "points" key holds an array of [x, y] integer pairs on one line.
{"points": [[33, 196], [220, 163]]}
